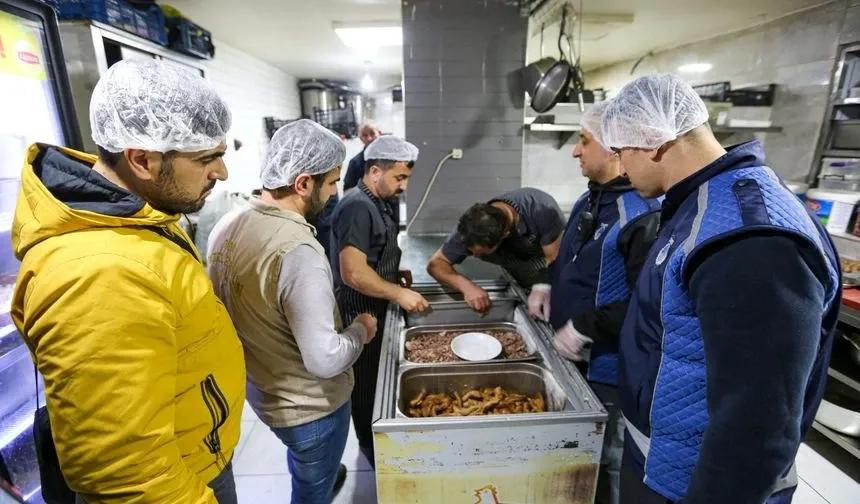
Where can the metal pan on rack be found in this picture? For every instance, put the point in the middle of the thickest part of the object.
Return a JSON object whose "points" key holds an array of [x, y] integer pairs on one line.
{"points": [[515, 377], [520, 326]]}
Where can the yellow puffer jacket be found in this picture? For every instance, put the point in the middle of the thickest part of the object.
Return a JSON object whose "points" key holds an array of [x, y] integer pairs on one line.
{"points": [[144, 374]]}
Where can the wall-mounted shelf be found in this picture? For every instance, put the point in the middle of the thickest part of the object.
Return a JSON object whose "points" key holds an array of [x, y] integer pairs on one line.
{"points": [[842, 153], [564, 131], [847, 101], [552, 127], [746, 129]]}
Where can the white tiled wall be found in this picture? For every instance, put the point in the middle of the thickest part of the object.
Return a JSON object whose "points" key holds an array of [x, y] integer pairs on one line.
{"points": [[253, 89], [552, 169]]}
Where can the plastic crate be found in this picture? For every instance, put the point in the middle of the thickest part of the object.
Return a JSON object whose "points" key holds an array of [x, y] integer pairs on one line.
{"points": [[189, 38], [148, 24]]}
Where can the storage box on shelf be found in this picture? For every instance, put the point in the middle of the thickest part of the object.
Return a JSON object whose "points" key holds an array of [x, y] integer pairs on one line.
{"points": [[146, 23], [189, 38]]}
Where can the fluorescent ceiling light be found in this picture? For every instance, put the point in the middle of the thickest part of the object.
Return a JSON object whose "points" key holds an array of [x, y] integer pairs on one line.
{"points": [[369, 36], [695, 67], [367, 83]]}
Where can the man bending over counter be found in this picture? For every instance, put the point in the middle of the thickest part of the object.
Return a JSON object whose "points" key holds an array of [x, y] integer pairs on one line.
{"points": [[519, 231]]}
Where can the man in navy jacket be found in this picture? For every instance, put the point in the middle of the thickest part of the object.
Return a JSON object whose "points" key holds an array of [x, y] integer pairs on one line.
{"points": [[608, 235], [725, 348]]}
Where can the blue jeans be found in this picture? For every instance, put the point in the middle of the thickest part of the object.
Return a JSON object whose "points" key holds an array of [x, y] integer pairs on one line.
{"points": [[313, 455]]}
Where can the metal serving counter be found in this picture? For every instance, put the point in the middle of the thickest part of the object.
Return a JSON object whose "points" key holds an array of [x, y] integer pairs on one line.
{"points": [[549, 457]]}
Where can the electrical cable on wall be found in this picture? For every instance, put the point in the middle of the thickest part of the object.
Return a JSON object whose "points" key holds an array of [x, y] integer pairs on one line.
{"points": [[427, 189]]}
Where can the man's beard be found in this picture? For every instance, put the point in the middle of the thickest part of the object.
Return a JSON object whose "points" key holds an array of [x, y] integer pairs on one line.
{"points": [[314, 205], [169, 198]]}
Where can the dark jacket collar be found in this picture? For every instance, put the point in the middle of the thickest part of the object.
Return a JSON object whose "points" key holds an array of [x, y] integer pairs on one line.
{"points": [[608, 192], [745, 155], [77, 185]]}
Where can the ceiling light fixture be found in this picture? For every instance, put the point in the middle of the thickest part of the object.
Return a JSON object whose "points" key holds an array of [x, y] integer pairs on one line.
{"points": [[366, 83], [373, 34], [695, 67]]}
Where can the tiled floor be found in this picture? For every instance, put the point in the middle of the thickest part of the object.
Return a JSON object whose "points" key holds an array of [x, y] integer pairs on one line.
{"points": [[828, 475], [260, 467]]}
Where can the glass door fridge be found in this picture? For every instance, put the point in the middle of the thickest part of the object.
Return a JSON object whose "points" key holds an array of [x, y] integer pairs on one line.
{"points": [[35, 106]]}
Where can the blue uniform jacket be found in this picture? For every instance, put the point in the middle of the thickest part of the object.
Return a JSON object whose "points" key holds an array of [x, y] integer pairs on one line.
{"points": [[726, 344], [608, 235]]}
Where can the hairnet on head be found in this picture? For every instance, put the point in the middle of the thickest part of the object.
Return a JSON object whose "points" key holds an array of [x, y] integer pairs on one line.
{"points": [[157, 106], [391, 148], [592, 118], [651, 111], [301, 146]]}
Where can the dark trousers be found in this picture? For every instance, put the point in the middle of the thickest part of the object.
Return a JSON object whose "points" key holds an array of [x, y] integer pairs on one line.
{"points": [[224, 486], [365, 370], [633, 490]]}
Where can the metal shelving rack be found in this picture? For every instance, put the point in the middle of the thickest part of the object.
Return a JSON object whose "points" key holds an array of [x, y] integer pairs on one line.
{"points": [[846, 74], [843, 370]]}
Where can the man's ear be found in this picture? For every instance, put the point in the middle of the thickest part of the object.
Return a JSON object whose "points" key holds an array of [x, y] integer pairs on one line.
{"points": [[656, 155], [144, 165], [303, 185]]}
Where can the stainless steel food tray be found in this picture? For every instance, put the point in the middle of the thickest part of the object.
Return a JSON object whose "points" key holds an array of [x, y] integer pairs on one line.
{"points": [[520, 377], [448, 308], [520, 325]]}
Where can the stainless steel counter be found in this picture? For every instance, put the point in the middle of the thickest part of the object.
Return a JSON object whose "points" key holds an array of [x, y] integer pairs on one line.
{"points": [[549, 457]]}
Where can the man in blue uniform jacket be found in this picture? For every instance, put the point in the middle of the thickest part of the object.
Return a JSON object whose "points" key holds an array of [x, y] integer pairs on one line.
{"points": [[608, 235], [725, 348]]}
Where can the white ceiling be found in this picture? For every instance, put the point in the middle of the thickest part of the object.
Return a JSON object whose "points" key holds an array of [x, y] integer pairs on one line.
{"points": [[297, 35]]}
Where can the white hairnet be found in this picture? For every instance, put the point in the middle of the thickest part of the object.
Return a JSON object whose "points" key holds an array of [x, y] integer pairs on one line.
{"points": [[391, 148], [651, 111], [301, 146], [592, 118], [157, 106]]}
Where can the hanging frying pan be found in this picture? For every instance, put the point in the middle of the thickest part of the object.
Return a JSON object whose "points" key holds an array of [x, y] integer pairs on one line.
{"points": [[551, 87]]}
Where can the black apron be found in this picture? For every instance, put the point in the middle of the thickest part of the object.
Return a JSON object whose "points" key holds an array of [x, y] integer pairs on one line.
{"points": [[352, 303]]}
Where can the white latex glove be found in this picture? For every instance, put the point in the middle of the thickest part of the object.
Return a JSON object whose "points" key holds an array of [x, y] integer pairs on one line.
{"points": [[539, 302], [570, 343]]}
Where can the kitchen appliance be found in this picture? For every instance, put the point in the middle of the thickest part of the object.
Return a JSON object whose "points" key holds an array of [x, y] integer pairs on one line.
{"points": [[36, 101], [548, 457]]}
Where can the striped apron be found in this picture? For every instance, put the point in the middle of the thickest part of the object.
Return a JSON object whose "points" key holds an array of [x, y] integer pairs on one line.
{"points": [[352, 303]]}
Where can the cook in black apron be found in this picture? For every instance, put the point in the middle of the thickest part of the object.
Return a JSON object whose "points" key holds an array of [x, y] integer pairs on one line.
{"points": [[352, 303]]}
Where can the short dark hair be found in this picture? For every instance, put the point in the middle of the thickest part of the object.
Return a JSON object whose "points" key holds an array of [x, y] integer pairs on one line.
{"points": [[384, 164], [109, 158], [112, 159], [482, 225], [285, 190]]}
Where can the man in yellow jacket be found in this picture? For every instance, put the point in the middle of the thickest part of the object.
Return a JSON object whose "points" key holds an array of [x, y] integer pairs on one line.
{"points": [[144, 375]]}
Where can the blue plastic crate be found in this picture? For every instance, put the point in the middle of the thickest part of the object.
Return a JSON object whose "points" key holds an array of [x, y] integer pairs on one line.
{"points": [[148, 24], [189, 38]]}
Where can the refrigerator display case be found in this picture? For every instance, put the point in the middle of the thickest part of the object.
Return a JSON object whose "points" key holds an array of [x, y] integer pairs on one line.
{"points": [[36, 104], [549, 456]]}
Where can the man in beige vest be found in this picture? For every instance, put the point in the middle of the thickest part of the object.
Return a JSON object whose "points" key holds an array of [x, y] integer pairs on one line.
{"points": [[272, 274]]}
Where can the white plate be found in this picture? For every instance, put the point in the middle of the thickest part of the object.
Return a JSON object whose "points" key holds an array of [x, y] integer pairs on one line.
{"points": [[476, 346]]}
